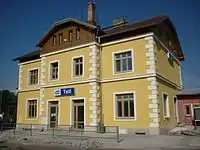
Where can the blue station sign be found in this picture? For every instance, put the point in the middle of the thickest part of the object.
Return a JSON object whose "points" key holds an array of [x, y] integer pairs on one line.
{"points": [[64, 92]]}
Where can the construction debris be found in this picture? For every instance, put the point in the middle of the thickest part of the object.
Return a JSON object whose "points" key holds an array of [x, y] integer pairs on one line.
{"points": [[184, 130]]}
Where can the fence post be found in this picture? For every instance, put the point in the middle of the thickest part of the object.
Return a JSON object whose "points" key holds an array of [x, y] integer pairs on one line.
{"points": [[81, 133], [31, 131], [1, 126], [14, 127], [118, 134], [53, 132]]}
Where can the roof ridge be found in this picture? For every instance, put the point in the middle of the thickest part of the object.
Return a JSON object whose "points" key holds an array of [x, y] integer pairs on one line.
{"points": [[141, 21]]}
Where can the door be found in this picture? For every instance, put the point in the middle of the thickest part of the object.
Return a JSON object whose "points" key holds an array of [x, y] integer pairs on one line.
{"points": [[176, 109], [187, 114], [53, 114], [78, 114]]}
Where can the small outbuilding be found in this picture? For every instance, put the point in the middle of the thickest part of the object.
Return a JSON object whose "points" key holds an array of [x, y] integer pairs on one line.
{"points": [[188, 102]]}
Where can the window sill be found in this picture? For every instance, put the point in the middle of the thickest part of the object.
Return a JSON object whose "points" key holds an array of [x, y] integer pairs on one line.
{"points": [[77, 76], [31, 118], [125, 72], [166, 117], [33, 84], [125, 119], [53, 79]]}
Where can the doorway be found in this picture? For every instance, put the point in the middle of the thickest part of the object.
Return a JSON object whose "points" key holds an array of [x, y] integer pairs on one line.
{"points": [[176, 110], [53, 113], [78, 114]]}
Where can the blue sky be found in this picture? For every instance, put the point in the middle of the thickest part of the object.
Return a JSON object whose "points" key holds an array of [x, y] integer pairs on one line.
{"points": [[23, 23]]}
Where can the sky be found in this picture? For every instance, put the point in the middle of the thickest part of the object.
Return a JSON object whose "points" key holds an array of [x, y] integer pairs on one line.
{"points": [[23, 23]]}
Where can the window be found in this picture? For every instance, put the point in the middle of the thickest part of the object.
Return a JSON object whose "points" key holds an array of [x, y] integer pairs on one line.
{"points": [[54, 40], [165, 105], [123, 62], [54, 71], [60, 38], [78, 34], [33, 77], [70, 35], [125, 106], [187, 110], [78, 66], [32, 109]]}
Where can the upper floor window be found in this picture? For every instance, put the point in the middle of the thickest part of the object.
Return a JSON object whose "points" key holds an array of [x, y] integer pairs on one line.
{"points": [[54, 71], [125, 106], [70, 35], [123, 62], [78, 66], [32, 109], [54, 40], [165, 105], [33, 77], [60, 38], [77, 34]]}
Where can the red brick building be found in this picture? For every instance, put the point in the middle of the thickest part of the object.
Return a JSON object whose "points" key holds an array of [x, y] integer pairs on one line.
{"points": [[187, 100]]}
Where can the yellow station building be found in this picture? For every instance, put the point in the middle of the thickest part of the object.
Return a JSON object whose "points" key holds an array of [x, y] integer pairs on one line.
{"points": [[83, 75]]}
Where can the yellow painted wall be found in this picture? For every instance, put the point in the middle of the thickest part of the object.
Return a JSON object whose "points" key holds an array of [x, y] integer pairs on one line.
{"points": [[25, 69], [65, 70], [164, 87], [142, 111], [22, 106], [139, 59], [165, 68], [81, 90]]}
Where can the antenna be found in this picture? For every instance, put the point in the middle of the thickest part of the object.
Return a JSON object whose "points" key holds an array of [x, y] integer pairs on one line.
{"points": [[81, 15], [97, 16]]}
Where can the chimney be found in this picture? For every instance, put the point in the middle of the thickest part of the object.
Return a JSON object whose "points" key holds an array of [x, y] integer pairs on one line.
{"points": [[91, 12]]}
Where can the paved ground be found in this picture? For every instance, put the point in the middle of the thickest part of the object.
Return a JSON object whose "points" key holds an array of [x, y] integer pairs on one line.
{"points": [[140, 142], [15, 146]]}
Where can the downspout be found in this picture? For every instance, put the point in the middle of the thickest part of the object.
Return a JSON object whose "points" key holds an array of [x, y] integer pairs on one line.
{"points": [[100, 85]]}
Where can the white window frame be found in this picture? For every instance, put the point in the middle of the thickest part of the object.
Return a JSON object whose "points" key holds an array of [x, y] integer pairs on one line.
{"points": [[60, 36], [27, 117], [49, 77], [78, 30], [28, 76], [114, 63], [72, 62], [167, 107], [115, 105]]}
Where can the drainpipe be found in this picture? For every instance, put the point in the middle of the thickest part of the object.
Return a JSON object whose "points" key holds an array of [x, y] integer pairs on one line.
{"points": [[100, 86]]}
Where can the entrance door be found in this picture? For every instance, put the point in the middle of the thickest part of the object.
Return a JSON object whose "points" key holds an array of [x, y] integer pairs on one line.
{"points": [[53, 114], [176, 109], [78, 114]]}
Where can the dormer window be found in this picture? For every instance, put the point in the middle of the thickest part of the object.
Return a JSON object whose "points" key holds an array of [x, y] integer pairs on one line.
{"points": [[78, 34], [70, 35], [60, 38], [54, 40]]}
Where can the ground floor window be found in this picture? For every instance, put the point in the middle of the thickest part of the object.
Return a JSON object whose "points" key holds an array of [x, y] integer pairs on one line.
{"points": [[165, 105], [187, 110], [32, 109], [125, 106]]}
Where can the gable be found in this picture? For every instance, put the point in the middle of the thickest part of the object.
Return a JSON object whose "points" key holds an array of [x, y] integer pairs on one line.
{"points": [[167, 34], [67, 30]]}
